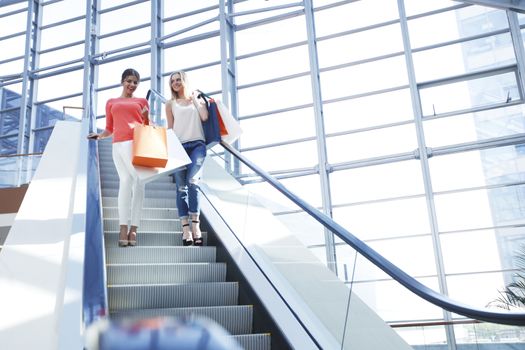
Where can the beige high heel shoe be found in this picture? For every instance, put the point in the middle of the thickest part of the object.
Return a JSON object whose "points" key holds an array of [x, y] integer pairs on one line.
{"points": [[132, 236], [123, 233]]}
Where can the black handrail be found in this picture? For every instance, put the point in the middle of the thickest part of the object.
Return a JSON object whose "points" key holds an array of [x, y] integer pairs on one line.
{"points": [[438, 299], [157, 94]]}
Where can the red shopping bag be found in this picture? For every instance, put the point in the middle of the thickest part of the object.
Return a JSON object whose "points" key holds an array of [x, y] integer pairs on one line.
{"points": [[150, 147]]}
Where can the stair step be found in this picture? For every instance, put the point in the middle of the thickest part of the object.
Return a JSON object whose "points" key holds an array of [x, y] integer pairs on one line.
{"points": [[147, 296], [146, 224], [236, 319], [147, 213], [112, 201], [152, 239], [108, 171], [113, 176], [106, 163], [150, 186], [257, 341], [159, 255], [113, 192], [165, 273]]}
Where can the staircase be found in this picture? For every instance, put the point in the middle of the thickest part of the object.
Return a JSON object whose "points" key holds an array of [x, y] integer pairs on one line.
{"points": [[160, 277]]}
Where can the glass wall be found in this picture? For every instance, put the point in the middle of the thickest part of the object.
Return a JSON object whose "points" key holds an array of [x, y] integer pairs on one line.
{"points": [[417, 104]]}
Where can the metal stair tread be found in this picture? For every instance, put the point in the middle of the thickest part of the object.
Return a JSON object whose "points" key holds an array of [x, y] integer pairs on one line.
{"points": [[148, 202], [188, 308], [253, 341], [198, 284], [157, 254], [161, 247], [145, 219], [148, 232], [173, 295], [144, 208], [165, 264]]}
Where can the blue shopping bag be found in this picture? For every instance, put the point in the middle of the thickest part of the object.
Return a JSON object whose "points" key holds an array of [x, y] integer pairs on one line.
{"points": [[159, 333], [211, 128]]}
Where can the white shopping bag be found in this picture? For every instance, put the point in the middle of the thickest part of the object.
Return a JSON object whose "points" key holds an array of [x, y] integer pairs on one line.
{"points": [[230, 123], [177, 159]]}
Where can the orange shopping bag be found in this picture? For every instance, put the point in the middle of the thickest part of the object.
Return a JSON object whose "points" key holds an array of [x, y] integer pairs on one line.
{"points": [[150, 146]]}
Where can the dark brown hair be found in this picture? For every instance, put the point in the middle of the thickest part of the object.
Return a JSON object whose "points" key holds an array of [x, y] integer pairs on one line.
{"points": [[128, 72]]}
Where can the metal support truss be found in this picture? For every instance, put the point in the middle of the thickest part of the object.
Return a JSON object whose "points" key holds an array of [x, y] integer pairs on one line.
{"points": [[513, 5]]}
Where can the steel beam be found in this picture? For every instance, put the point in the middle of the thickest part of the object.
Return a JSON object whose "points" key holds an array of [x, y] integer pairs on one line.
{"points": [[10, 2], [513, 5]]}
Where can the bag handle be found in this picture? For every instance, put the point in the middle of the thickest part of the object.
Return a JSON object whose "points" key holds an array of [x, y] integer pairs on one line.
{"points": [[207, 98]]}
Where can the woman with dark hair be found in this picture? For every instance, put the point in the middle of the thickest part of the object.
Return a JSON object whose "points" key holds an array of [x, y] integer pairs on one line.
{"points": [[122, 114], [185, 112]]}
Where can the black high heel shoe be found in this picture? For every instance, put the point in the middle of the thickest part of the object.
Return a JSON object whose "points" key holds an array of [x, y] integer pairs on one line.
{"points": [[186, 241]]}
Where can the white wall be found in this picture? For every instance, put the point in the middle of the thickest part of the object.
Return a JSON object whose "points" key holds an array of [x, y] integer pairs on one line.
{"points": [[41, 262]]}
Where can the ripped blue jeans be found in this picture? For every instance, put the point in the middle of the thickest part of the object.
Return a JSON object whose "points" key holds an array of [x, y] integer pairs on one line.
{"points": [[187, 180]]}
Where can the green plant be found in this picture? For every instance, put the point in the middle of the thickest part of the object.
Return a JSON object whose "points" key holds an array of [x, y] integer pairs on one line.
{"points": [[513, 296]]}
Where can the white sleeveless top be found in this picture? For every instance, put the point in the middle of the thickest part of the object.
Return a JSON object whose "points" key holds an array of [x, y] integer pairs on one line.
{"points": [[187, 124]]}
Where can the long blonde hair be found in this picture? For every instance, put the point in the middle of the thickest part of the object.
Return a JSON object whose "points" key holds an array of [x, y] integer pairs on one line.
{"points": [[185, 85]]}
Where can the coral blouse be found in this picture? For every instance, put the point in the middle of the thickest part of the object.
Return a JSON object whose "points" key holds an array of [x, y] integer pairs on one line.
{"points": [[122, 114]]}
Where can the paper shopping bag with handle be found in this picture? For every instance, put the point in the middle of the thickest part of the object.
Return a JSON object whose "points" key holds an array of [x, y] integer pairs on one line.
{"points": [[150, 146], [177, 159], [230, 124]]}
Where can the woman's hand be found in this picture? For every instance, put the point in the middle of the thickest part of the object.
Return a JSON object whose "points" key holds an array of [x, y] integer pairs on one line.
{"points": [[200, 104], [195, 97], [145, 115], [103, 135], [145, 112]]}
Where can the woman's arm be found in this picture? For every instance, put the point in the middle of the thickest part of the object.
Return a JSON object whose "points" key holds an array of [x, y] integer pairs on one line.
{"points": [[200, 104], [109, 125], [103, 135], [169, 115]]}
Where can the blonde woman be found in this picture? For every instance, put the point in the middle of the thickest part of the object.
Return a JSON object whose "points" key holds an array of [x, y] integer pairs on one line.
{"points": [[185, 112]]}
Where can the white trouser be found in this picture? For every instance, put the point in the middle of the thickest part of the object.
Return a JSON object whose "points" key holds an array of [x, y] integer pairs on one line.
{"points": [[131, 188]]}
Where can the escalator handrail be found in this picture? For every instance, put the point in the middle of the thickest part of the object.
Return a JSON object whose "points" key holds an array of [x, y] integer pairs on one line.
{"points": [[95, 304], [428, 294]]}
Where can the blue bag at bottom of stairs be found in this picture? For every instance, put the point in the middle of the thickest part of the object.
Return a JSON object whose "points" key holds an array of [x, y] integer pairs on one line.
{"points": [[162, 333]]}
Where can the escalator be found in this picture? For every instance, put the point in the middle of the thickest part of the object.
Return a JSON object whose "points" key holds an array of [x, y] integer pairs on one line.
{"points": [[226, 280], [161, 278]]}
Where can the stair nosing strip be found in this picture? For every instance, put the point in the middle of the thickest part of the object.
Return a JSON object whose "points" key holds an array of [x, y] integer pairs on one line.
{"points": [[168, 264]]}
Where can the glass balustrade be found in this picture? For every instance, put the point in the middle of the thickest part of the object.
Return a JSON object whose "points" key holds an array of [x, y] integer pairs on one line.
{"points": [[353, 299]]}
